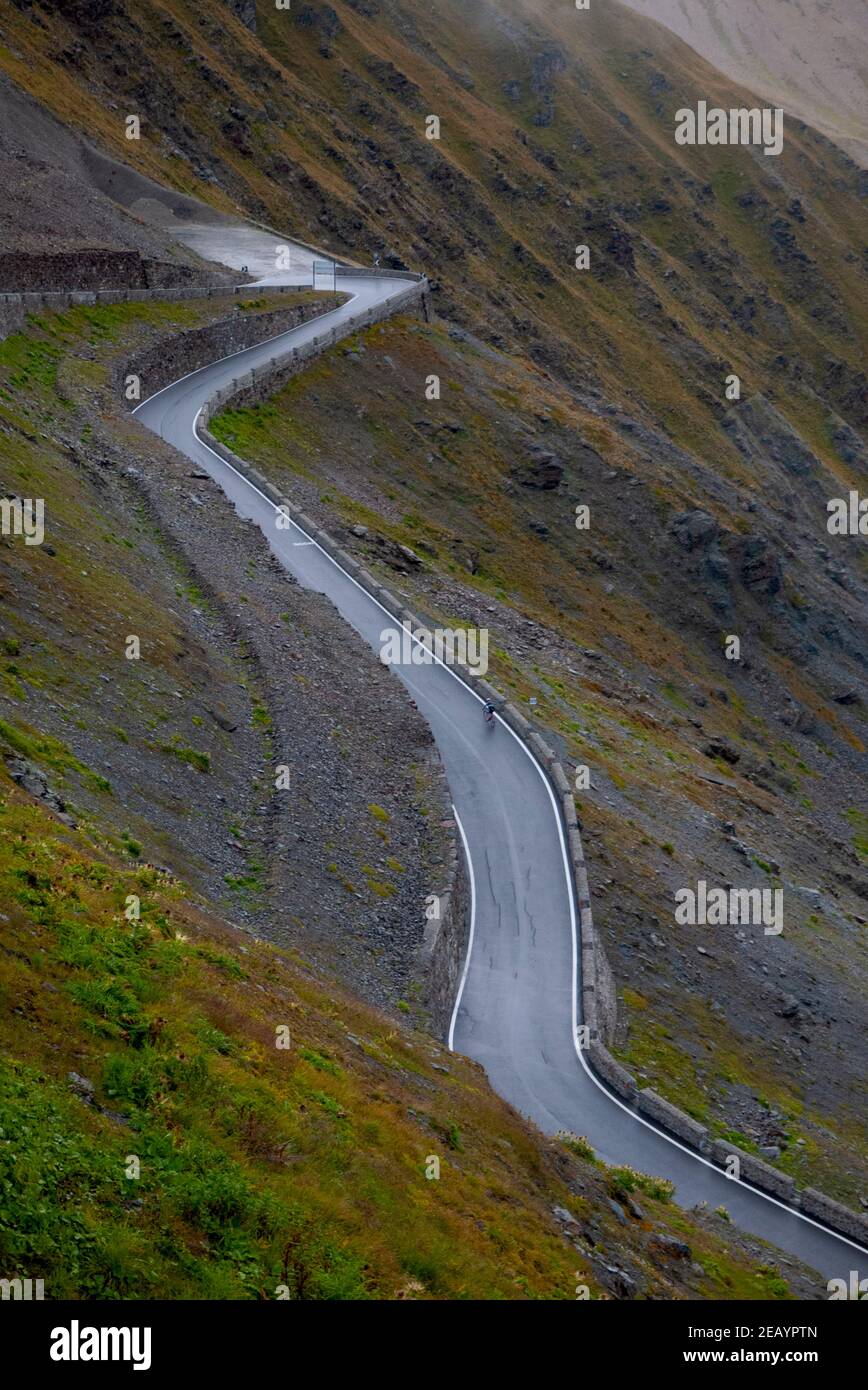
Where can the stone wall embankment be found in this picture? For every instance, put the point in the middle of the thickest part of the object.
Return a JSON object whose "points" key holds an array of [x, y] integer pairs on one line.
{"points": [[165, 361]]}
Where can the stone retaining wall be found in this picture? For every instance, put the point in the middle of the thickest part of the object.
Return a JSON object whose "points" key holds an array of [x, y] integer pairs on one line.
{"points": [[14, 308], [664, 1113], [256, 386], [96, 269], [616, 1077], [753, 1170], [366, 273], [840, 1218], [165, 361]]}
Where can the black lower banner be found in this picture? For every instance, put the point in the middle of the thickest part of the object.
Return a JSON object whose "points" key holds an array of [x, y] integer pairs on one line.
{"points": [[228, 1339]]}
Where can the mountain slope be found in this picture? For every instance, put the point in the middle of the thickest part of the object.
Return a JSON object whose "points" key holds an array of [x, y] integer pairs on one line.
{"points": [[563, 387], [609, 642]]}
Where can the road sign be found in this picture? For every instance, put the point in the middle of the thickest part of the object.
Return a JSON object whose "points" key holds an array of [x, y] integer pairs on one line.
{"points": [[328, 268]]}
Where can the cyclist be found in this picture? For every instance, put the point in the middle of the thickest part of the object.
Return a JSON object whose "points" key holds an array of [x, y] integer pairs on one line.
{"points": [[488, 711]]}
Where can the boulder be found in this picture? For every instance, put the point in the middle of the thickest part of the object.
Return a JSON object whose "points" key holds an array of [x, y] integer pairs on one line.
{"points": [[543, 472], [81, 1086], [758, 565], [694, 529], [245, 10], [719, 748], [398, 557], [32, 779], [670, 1247], [762, 434]]}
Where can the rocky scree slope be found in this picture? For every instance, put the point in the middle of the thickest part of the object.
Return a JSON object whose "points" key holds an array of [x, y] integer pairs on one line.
{"points": [[62, 226], [241, 672]]}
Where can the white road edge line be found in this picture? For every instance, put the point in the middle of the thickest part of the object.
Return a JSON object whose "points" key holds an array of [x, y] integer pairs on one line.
{"points": [[472, 877], [691, 1153]]}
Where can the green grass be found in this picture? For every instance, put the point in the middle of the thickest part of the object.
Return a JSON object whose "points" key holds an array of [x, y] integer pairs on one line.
{"points": [[859, 823], [214, 1164], [191, 756], [133, 847], [29, 360], [51, 753], [624, 1180], [252, 882], [318, 1061], [578, 1144]]}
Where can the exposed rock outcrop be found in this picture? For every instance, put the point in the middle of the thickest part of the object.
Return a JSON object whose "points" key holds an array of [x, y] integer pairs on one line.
{"points": [[694, 529], [761, 433], [32, 779], [543, 472], [245, 10]]}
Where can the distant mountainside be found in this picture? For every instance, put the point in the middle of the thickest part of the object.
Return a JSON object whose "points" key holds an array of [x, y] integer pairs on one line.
{"points": [[810, 56]]}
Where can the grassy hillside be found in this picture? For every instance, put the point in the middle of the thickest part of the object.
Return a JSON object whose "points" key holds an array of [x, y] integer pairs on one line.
{"points": [[186, 1116]]}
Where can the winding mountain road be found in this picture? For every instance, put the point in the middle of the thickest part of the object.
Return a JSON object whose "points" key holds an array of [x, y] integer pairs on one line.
{"points": [[517, 1010]]}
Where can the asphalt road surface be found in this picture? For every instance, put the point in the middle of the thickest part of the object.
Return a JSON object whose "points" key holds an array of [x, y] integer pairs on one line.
{"points": [[517, 1009]]}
